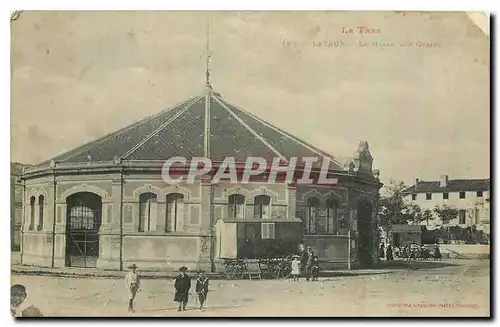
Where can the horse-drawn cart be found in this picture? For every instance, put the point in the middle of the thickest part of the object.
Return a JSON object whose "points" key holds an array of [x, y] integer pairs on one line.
{"points": [[271, 268], [234, 268], [276, 267]]}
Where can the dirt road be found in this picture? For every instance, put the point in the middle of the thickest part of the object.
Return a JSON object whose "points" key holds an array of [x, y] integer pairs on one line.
{"points": [[456, 290]]}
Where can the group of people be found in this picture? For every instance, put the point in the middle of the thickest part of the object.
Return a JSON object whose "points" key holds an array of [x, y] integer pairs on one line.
{"points": [[182, 285], [411, 251], [308, 263], [383, 252]]}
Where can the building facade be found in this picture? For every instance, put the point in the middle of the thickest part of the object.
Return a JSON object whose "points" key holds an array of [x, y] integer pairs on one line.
{"points": [[468, 196], [105, 203]]}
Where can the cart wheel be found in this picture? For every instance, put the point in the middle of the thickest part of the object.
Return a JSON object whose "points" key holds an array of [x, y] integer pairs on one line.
{"points": [[238, 271], [286, 272], [230, 273], [275, 272]]}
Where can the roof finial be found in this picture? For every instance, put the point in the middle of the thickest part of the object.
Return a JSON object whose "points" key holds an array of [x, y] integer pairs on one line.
{"points": [[207, 72]]}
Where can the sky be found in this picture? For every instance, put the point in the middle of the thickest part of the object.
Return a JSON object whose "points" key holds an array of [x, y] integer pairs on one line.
{"points": [[424, 110]]}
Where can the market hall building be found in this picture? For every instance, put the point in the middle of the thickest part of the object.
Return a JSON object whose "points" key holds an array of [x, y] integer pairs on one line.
{"points": [[104, 205]]}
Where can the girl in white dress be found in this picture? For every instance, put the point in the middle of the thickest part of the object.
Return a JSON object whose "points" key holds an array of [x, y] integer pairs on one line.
{"points": [[295, 268]]}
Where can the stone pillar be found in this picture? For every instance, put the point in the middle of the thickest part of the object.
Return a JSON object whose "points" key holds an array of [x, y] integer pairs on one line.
{"points": [[50, 223], [60, 233], [291, 201], [23, 222], [110, 233], [207, 227], [375, 231]]}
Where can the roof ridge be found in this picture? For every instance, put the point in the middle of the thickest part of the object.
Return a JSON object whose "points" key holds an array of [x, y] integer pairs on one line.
{"points": [[457, 179], [223, 104], [290, 136], [150, 135], [122, 130]]}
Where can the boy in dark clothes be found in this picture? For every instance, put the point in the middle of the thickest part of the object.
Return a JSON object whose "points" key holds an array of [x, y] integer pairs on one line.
{"points": [[315, 269], [182, 286], [202, 287]]}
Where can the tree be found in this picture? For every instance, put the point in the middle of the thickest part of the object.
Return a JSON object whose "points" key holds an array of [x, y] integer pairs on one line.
{"points": [[446, 213], [393, 204], [427, 215], [413, 214], [394, 208]]}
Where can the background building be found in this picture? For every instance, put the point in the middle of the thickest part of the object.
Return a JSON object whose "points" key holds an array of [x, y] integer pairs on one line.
{"points": [[469, 196], [105, 204], [16, 204]]}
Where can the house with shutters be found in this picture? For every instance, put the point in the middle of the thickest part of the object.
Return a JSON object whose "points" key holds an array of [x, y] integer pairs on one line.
{"points": [[469, 196]]}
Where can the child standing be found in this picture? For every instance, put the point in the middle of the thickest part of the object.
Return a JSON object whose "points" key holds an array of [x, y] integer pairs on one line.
{"points": [[202, 287], [295, 268], [315, 269], [132, 284]]}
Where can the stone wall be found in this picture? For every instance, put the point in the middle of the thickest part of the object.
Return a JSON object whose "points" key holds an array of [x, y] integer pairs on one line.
{"points": [[191, 244], [162, 252], [277, 193], [120, 198], [37, 249], [465, 251], [328, 248]]}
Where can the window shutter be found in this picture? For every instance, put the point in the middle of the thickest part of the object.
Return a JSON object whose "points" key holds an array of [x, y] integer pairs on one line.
{"points": [[240, 210], [170, 216], [256, 210], [180, 213], [232, 211], [313, 221], [265, 211], [268, 231], [272, 231], [264, 231], [153, 214], [143, 210]]}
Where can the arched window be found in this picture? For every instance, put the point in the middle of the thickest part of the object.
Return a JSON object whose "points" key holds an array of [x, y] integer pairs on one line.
{"points": [[331, 217], [82, 217], [32, 213], [40, 212], [312, 214], [262, 204], [236, 206], [148, 212], [175, 212]]}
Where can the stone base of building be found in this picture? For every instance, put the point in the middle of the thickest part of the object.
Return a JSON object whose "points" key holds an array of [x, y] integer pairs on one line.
{"points": [[150, 252], [36, 260]]}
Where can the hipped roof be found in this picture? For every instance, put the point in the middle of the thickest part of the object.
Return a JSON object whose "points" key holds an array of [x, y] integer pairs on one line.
{"points": [[202, 126]]}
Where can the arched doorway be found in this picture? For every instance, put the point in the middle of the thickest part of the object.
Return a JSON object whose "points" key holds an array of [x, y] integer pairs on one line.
{"points": [[83, 220], [365, 244]]}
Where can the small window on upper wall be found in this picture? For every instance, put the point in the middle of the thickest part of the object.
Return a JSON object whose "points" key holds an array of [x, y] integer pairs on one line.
{"points": [[413, 197], [461, 217], [479, 194], [462, 195], [428, 196], [446, 195]]}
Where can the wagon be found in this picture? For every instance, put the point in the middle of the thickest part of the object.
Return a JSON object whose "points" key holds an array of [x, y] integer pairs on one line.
{"points": [[276, 267], [234, 268]]}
